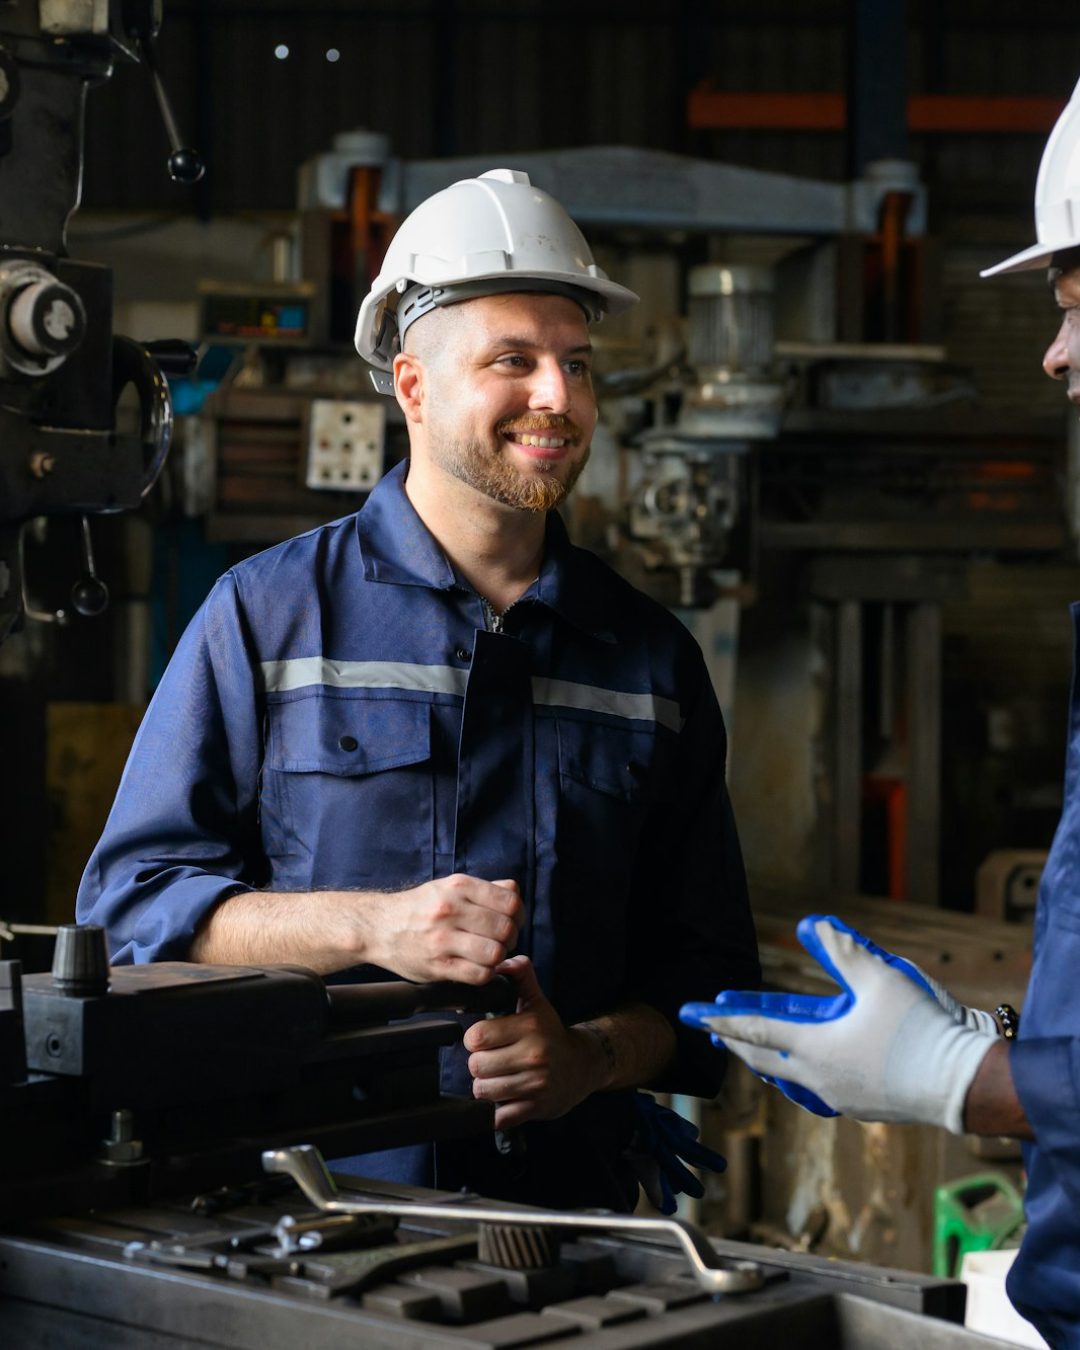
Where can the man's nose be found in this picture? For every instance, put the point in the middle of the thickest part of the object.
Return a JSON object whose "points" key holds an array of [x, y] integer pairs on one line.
{"points": [[1056, 360], [550, 390]]}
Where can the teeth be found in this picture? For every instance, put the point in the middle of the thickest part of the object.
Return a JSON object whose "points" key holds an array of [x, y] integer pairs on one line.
{"points": [[543, 442]]}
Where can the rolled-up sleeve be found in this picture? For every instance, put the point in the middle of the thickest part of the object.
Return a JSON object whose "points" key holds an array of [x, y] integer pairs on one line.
{"points": [[693, 932], [183, 832]]}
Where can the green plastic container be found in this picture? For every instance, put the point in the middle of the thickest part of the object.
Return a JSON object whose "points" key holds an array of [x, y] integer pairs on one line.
{"points": [[979, 1213]]}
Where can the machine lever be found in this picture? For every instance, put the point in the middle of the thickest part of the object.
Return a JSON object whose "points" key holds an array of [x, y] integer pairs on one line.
{"points": [[714, 1273], [185, 164], [89, 595], [24, 608]]}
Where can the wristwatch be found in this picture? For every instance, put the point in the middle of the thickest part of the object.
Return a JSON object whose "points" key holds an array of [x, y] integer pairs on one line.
{"points": [[1009, 1020]]}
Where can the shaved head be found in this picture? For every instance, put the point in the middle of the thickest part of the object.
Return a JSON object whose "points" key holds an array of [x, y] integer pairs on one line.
{"points": [[432, 335]]}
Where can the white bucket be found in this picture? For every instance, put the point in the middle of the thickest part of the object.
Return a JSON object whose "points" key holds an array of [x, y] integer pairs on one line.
{"points": [[988, 1306]]}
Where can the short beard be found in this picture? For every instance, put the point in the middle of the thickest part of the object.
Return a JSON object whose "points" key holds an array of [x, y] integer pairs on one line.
{"points": [[472, 463]]}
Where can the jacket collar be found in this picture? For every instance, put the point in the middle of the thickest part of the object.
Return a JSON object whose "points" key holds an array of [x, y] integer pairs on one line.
{"points": [[397, 547], [395, 544]]}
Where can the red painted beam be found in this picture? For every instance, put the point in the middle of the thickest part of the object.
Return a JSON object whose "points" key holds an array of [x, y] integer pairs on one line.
{"points": [[711, 109]]}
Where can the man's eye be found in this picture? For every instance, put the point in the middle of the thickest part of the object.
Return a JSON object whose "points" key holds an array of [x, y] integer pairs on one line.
{"points": [[579, 369], [513, 360]]}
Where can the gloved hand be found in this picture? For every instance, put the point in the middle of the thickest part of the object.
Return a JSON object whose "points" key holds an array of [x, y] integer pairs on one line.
{"points": [[894, 1045], [975, 1018], [662, 1140]]}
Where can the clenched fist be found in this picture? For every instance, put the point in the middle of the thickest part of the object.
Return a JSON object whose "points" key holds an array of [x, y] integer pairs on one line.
{"points": [[453, 928]]}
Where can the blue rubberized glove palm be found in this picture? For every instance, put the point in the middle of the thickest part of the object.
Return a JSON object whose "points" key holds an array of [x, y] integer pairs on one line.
{"points": [[795, 1005], [663, 1142], [892, 1045]]}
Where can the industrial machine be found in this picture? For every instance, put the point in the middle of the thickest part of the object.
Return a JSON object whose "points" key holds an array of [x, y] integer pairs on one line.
{"points": [[63, 450], [156, 1118], [698, 481], [825, 450]]}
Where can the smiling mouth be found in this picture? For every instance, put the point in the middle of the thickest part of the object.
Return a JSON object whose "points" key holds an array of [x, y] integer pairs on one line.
{"points": [[528, 438]]}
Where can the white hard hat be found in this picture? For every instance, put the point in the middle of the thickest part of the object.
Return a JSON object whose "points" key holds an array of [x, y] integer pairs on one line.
{"points": [[478, 237], [1057, 196]]}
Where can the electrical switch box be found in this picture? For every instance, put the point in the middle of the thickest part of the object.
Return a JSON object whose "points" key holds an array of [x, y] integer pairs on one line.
{"points": [[345, 444]]}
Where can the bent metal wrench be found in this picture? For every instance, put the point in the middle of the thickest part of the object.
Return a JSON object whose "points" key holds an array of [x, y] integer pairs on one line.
{"points": [[715, 1274]]}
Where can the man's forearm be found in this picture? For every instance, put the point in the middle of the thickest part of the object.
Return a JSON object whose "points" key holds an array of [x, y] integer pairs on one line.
{"points": [[317, 929], [992, 1106], [630, 1046], [452, 928]]}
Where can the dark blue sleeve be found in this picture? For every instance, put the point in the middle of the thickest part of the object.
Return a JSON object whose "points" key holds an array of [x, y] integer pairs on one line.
{"points": [[1046, 1075], [693, 932], [183, 833]]}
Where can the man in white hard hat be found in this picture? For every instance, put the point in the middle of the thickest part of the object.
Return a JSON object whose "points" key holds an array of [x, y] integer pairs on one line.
{"points": [[893, 1045], [435, 739]]}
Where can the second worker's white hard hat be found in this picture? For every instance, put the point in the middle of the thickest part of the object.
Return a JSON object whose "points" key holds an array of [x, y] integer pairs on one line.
{"points": [[480, 236], [1057, 196]]}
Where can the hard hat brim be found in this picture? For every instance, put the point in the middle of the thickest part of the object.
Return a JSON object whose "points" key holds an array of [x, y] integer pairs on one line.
{"points": [[614, 299], [1028, 259]]}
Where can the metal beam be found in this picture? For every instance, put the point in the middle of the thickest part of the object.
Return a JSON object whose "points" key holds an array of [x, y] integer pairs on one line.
{"points": [[650, 189]]}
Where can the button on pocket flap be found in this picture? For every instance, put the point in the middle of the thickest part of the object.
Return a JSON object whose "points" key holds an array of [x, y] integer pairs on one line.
{"points": [[348, 736], [618, 761]]}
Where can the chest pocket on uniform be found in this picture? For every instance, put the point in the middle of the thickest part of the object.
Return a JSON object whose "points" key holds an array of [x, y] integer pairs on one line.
{"points": [[348, 793], [609, 776]]}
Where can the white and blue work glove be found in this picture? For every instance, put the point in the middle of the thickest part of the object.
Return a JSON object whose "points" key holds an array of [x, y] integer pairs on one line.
{"points": [[663, 1143], [892, 1045]]}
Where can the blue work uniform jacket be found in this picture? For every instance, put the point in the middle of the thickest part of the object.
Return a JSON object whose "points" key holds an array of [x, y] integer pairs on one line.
{"points": [[1044, 1281], [338, 715]]}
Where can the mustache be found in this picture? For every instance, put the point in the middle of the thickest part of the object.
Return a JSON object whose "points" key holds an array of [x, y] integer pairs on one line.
{"points": [[538, 423]]}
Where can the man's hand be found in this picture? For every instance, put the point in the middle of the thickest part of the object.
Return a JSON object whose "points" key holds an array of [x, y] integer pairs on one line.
{"points": [[885, 1048], [453, 928], [528, 1062]]}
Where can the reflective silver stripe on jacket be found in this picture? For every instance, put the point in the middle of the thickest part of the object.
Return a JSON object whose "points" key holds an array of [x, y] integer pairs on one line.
{"points": [[302, 672], [281, 676], [591, 698]]}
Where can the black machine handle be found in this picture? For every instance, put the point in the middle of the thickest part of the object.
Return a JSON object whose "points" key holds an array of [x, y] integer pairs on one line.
{"points": [[358, 1004], [185, 164]]}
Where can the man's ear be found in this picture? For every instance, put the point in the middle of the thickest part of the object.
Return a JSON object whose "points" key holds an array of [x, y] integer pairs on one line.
{"points": [[409, 385]]}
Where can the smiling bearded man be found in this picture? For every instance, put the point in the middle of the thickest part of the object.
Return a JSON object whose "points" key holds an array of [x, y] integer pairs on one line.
{"points": [[529, 460], [436, 740]]}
